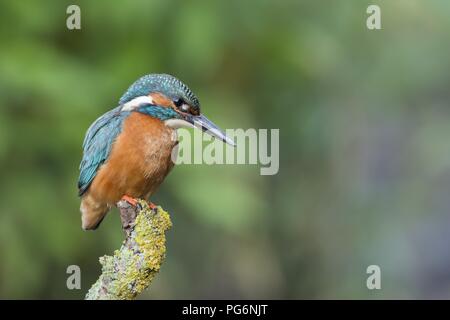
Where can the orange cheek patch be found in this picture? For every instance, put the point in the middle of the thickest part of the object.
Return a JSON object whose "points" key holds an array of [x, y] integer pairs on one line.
{"points": [[161, 100]]}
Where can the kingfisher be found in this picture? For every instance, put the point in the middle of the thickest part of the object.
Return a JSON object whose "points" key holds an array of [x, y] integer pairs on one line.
{"points": [[127, 152]]}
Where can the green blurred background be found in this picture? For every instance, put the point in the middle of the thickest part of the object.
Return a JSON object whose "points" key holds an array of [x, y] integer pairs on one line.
{"points": [[364, 145]]}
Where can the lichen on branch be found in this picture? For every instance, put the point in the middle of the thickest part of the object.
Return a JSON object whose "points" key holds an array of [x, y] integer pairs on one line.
{"points": [[132, 268]]}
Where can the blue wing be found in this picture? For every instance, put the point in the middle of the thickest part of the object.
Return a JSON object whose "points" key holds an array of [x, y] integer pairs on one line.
{"points": [[97, 145]]}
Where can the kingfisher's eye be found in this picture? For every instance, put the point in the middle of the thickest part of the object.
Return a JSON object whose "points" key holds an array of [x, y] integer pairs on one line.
{"points": [[184, 107], [178, 102]]}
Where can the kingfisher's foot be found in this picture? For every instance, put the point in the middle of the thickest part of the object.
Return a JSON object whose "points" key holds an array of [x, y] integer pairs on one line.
{"points": [[152, 205], [130, 200]]}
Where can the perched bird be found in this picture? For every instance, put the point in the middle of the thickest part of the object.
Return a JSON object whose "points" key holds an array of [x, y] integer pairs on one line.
{"points": [[127, 151]]}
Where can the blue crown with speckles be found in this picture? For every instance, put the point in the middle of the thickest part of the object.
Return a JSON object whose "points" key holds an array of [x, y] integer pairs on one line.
{"points": [[163, 83]]}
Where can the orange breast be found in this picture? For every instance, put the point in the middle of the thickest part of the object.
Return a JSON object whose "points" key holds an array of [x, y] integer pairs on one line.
{"points": [[139, 160]]}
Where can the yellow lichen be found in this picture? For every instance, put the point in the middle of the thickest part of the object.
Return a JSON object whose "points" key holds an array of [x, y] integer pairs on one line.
{"points": [[133, 267]]}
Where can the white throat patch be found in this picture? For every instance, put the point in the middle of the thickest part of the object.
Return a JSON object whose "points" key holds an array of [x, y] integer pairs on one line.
{"points": [[178, 123]]}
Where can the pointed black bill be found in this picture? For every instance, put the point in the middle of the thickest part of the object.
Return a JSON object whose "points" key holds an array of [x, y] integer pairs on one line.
{"points": [[203, 123]]}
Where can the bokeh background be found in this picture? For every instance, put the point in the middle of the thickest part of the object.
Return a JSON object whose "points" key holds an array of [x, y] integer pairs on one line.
{"points": [[364, 121]]}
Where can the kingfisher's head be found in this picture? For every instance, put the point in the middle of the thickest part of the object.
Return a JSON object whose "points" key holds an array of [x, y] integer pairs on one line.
{"points": [[165, 97]]}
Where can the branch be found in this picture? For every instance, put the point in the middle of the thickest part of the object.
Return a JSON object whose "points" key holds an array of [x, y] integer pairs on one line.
{"points": [[133, 267]]}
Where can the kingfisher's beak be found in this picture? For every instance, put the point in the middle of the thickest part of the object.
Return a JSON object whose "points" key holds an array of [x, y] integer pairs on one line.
{"points": [[203, 123]]}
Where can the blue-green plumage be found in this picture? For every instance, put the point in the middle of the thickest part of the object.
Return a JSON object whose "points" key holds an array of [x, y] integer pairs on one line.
{"points": [[165, 83], [159, 112], [97, 145]]}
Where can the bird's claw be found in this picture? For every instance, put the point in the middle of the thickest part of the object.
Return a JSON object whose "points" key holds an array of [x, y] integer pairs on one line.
{"points": [[152, 205], [134, 202], [130, 200]]}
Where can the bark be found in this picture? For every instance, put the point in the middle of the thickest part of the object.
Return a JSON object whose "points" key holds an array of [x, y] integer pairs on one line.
{"points": [[132, 268]]}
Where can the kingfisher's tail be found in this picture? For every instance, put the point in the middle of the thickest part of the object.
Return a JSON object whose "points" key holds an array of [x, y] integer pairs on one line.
{"points": [[92, 212]]}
